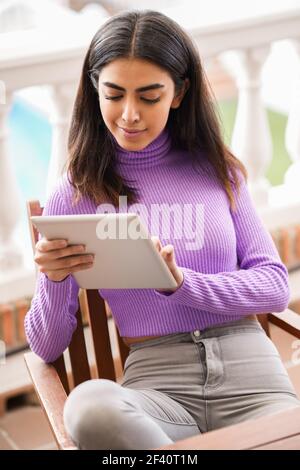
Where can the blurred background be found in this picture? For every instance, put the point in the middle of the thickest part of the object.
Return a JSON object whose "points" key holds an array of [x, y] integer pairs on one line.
{"points": [[251, 54]]}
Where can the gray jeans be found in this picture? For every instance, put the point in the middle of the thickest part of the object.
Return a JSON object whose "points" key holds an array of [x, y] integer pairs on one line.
{"points": [[180, 385]]}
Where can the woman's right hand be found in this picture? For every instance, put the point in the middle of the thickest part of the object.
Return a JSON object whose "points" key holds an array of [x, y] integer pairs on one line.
{"points": [[57, 259]]}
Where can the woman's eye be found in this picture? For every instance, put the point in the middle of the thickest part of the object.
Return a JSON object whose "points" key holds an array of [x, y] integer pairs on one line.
{"points": [[114, 98], [150, 101]]}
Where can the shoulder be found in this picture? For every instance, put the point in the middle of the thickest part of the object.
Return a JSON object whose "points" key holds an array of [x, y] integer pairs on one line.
{"points": [[238, 180], [62, 200]]}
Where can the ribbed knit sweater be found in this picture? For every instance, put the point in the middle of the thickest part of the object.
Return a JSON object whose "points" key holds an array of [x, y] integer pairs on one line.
{"points": [[231, 267]]}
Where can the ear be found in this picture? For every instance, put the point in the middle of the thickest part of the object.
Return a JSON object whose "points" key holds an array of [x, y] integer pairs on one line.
{"points": [[179, 97]]}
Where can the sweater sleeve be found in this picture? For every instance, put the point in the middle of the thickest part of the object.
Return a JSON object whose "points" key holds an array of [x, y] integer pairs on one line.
{"points": [[51, 320], [259, 286]]}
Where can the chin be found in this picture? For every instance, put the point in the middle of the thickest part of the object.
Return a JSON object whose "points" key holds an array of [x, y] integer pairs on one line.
{"points": [[133, 146]]}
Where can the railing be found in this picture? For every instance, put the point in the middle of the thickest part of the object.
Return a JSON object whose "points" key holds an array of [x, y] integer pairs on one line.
{"points": [[54, 58]]}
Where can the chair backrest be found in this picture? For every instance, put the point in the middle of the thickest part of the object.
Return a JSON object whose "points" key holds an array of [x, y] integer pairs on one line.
{"points": [[96, 310]]}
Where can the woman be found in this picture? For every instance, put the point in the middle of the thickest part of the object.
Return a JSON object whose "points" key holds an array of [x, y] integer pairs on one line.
{"points": [[144, 127]]}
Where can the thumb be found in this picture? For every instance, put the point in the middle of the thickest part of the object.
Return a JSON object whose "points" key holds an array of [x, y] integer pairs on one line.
{"points": [[156, 242], [167, 253]]}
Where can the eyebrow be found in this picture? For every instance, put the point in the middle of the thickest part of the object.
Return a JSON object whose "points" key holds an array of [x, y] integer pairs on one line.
{"points": [[154, 86]]}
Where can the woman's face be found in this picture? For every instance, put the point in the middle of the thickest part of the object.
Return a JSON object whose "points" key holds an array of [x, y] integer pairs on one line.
{"points": [[136, 95]]}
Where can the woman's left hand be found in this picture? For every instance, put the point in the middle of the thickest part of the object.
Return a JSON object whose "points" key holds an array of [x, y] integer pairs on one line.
{"points": [[167, 252]]}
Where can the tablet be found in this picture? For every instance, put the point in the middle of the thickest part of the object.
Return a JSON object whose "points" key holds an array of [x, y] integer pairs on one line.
{"points": [[125, 256]]}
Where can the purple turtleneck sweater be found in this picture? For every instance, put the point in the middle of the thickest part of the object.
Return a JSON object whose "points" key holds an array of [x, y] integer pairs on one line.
{"points": [[230, 264]]}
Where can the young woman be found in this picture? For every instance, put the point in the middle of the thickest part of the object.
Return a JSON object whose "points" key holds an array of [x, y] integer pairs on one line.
{"points": [[144, 127]]}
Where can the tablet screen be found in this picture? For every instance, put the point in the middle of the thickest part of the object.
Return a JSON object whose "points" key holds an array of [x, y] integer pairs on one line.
{"points": [[125, 256]]}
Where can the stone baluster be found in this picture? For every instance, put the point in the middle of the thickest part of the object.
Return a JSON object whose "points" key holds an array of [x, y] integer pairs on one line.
{"points": [[251, 139], [16, 278], [292, 139], [62, 99], [10, 197]]}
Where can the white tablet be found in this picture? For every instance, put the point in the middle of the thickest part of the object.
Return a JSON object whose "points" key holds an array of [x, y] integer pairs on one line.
{"points": [[125, 256]]}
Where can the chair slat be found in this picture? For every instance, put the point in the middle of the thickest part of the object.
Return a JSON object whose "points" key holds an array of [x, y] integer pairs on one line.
{"points": [[60, 367], [100, 334], [78, 353], [33, 209], [263, 319], [123, 348]]}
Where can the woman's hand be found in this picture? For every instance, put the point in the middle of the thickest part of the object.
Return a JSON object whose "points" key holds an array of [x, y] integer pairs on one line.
{"points": [[167, 252], [57, 259]]}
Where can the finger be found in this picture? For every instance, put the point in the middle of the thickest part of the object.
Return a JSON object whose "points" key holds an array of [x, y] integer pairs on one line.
{"points": [[69, 251], [168, 252], [81, 267], [48, 245], [169, 258], [155, 239], [42, 257], [60, 275], [66, 263]]}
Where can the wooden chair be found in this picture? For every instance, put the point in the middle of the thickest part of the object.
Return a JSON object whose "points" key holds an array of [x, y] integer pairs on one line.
{"points": [[52, 383]]}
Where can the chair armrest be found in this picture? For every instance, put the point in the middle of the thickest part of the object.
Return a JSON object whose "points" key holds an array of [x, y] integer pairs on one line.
{"points": [[288, 320], [51, 395], [269, 430]]}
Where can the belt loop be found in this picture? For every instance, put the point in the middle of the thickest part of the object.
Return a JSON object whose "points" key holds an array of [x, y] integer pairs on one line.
{"points": [[196, 335]]}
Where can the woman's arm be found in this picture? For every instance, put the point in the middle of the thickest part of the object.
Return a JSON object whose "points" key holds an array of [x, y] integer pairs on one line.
{"points": [[51, 320], [261, 283]]}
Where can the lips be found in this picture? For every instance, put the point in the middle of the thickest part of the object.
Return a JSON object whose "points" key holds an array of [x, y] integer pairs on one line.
{"points": [[132, 131]]}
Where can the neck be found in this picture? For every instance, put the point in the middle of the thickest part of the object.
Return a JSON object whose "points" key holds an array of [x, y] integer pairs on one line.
{"points": [[149, 156]]}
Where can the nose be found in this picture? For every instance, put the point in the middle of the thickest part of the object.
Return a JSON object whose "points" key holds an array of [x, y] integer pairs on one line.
{"points": [[130, 112]]}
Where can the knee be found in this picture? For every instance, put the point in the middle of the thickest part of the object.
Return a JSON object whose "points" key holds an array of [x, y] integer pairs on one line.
{"points": [[93, 415]]}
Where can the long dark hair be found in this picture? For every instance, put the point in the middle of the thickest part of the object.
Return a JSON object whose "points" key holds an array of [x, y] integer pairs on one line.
{"points": [[194, 126]]}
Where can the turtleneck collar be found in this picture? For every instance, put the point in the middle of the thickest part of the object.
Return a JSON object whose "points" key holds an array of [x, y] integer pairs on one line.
{"points": [[150, 156]]}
